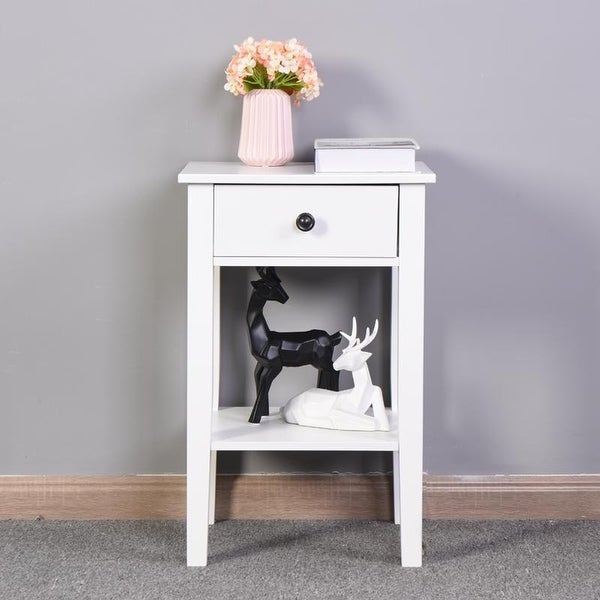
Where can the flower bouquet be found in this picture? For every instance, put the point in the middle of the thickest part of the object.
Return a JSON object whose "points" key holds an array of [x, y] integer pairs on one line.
{"points": [[269, 65], [269, 75]]}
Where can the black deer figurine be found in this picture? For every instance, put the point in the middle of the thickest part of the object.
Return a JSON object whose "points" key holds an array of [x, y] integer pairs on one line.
{"points": [[274, 350]]}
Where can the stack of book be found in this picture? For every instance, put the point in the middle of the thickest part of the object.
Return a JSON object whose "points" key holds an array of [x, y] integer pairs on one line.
{"points": [[366, 155]]}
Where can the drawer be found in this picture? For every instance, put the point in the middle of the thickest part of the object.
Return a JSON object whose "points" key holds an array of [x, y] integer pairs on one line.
{"points": [[349, 220]]}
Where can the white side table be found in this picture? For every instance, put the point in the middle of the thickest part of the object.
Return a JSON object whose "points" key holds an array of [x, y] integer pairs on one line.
{"points": [[222, 201]]}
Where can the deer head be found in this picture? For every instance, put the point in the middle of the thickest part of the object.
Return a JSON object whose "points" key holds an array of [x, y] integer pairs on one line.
{"points": [[353, 357], [269, 287]]}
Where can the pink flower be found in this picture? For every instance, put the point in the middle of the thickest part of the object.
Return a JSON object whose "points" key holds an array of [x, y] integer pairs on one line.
{"points": [[273, 65]]}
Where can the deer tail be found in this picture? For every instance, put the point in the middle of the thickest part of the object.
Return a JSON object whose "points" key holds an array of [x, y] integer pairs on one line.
{"points": [[335, 338]]}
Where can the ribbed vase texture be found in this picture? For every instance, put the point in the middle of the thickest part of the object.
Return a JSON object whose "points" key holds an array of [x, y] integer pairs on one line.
{"points": [[266, 137]]}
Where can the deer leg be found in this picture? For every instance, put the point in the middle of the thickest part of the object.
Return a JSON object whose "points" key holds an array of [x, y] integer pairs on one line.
{"points": [[257, 409], [265, 379], [329, 379], [257, 373]]}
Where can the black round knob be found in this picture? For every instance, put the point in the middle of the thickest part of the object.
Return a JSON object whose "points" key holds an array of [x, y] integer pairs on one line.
{"points": [[305, 222]]}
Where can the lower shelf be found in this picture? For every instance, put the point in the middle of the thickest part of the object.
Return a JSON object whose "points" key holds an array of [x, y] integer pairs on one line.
{"points": [[231, 431]]}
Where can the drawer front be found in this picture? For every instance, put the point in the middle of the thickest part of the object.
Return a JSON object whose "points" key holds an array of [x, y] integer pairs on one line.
{"points": [[349, 220]]}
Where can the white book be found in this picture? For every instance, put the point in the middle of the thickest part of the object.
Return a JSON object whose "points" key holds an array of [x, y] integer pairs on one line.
{"points": [[366, 155]]}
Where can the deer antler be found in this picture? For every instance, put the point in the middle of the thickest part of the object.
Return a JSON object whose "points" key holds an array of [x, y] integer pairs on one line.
{"points": [[352, 337], [268, 273], [369, 337], [354, 343]]}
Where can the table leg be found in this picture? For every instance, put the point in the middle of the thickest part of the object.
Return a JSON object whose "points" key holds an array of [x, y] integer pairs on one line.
{"points": [[213, 487], [394, 385], [199, 370], [410, 370], [216, 375]]}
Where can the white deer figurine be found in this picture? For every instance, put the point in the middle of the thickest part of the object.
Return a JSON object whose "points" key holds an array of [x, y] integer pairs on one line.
{"points": [[346, 409]]}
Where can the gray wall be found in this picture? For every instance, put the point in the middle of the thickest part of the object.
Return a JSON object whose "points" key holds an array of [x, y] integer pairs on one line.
{"points": [[101, 103]]}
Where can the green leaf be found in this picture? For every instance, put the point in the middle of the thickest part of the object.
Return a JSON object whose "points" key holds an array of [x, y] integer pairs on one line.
{"points": [[261, 75], [251, 85], [257, 80]]}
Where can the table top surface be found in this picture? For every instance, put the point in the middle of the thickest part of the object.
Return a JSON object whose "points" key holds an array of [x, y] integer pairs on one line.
{"points": [[294, 173]]}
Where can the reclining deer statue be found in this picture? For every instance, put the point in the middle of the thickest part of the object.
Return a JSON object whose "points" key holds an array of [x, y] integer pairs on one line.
{"points": [[345, 409], [274, 350]]}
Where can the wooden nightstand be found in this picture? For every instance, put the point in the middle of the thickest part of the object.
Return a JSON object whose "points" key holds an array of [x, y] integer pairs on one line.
{"points": [[361, 219]]}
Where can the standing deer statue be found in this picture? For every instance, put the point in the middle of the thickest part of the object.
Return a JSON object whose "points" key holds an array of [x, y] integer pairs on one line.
{"points": [[274, 350], [346, 409]]}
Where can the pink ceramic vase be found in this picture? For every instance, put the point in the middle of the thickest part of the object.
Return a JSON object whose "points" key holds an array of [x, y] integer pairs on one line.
{"points": [[266, 136]]}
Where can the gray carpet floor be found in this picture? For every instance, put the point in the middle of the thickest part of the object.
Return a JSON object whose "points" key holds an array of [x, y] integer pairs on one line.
{"points": [[299, 560]]}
